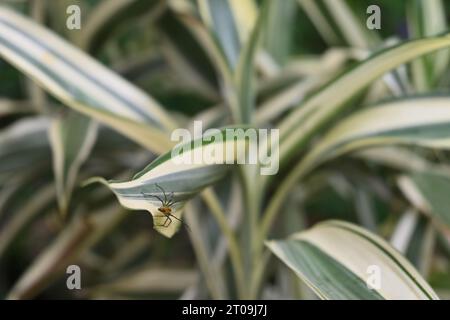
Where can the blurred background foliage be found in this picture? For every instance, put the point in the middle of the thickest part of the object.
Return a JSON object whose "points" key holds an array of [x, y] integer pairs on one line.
{"points": [[152, 44]]}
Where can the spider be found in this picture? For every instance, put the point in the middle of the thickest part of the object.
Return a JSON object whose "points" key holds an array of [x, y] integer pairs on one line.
{"points": [[165, 208]]}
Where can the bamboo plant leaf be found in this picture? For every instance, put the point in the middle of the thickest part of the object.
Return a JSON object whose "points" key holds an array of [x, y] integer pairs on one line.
{"points": [[197, 64], [335, 260], [245, 69], [22, 146], [148, 279], [107, 16], [353, 29], [314, 112], [82, 83], [420, 121], [10, 107], [321, 23], [414, 237], [81, 233], [428, 191], [427, 18], [177, 176], [72, 137], [218, 16]]}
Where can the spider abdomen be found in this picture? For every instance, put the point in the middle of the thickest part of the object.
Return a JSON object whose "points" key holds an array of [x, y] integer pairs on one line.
{"points": [[165, 210]]}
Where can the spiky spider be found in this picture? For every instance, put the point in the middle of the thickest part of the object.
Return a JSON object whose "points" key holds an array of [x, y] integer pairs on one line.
{"points": [[165, 208]]}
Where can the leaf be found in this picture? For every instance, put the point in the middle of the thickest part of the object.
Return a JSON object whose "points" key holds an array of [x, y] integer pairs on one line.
{"points": [[218, 16], [428, 191], [418, 121], [319, 20], [245, 15], [80, 234], [245, 69], [333, 259], [23, 146], [201, 61], [31, 207], [354, 31], [179, 175], [278, 38], [414, 236], [148, 280], [107, 16], [427, 18], [82, 83], [72, 137], [326, 103], [13, 107]]}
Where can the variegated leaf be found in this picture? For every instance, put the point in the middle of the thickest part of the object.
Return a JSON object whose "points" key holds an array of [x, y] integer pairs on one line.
{"points": [[337, 260]]}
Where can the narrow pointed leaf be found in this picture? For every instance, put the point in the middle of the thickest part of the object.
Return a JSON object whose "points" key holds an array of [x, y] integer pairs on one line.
{"points": [[245, 69], [72, 137], [179, 177], [420, 121], [80, 82], [428, 191], [218, 16], [323, 105], [333, 259]]}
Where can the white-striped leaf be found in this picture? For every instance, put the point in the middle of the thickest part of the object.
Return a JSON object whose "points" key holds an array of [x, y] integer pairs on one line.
{"points": [[82, 83], [107, 16], [72, 137], [245, 69], [423, 121], [23, 145], [179, 178], [336, 259], [414, 237], [218, 16], [8, 107], [428, 191], [323, 105]]}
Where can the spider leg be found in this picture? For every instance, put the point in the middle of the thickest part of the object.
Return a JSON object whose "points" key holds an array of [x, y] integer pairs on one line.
{"points": [[182, 222], [150, 195], [170, 221], [164, 193], [165, 221]]}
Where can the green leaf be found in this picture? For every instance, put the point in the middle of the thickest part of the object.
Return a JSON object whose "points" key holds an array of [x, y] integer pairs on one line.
{"points": [[107, 16], [82, 83], [278, 38], [351, 25], [147, 279], [422, 121], [13, 107], [428, 191], [414, 236], [320, 108], [81, 234], [245, 70], [218, 16], [23, 146], [427, 18], [178, 177], [319, 20], [30, 207], [72, 137], [333, 259]]}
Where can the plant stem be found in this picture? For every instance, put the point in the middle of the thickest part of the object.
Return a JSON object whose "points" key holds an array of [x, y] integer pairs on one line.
{"points": [[277, 201], [269, 215], [212, 279], [252, 205], [235, 253]]}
